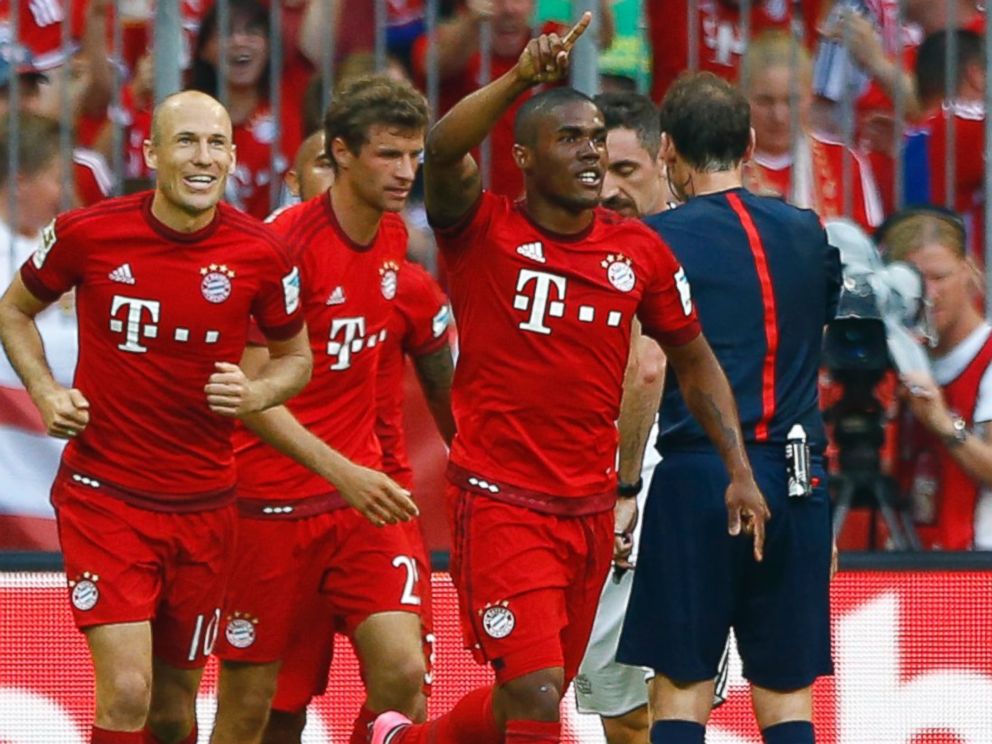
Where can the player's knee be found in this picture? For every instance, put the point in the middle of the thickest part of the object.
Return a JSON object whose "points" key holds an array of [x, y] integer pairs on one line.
{"points": [[126, 698], [535, 697], [397, 685], [285, 727]]}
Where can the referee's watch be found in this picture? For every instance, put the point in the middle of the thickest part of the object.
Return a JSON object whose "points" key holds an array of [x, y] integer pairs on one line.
{"points": [[958, 435]]}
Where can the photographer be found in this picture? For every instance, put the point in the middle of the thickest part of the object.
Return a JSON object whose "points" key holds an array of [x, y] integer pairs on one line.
{"points": [[945, 442]]}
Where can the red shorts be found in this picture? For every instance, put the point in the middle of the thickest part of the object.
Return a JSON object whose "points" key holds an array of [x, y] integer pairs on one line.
{"points": [[126, 564], [528, 583], [298, 582]]}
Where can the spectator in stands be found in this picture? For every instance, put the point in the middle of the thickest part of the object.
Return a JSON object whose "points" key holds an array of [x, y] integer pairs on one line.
{"points": [[460, 64], [927, 159], [719, 34], [945, 450], [807, 170], [255, 123]]}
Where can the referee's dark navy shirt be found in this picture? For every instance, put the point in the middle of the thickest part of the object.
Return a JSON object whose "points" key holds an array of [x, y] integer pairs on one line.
{"points": [[764, 281]]}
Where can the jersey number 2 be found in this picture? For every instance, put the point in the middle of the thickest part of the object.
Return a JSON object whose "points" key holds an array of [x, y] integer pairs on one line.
{"points": [[410, 586]]}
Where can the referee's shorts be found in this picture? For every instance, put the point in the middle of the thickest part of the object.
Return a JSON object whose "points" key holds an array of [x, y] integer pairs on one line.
{"points": [[694, 581]]}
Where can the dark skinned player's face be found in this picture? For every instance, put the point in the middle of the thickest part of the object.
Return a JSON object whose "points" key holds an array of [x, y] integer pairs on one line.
{"points": [[569, 156]]}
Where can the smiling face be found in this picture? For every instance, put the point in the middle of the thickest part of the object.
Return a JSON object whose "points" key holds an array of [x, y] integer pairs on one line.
{"points": [[192, 153], [247, 48], [568, 160], [382, 171]]}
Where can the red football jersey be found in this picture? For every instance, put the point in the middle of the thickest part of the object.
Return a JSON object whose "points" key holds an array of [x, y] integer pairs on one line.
{"points": [[156, 310], [505, 177], [39, 28], [719, 34], [94, 181], [417, 326], [348, 293], [544, 333], [822, 188], [249, 184]]}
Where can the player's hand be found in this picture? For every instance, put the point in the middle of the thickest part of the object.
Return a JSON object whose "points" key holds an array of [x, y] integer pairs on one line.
{"points": [[926, 402], [376, 496], [858, 34], [625, 520], [230, 392], [545, 59], [65, 412], [747, 510]]}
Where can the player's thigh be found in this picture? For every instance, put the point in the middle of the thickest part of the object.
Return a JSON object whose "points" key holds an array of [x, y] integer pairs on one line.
{"points": [[782, 621], [188, 622], [264, 589], [114, 557], [122, 664], [390, 650], [681, 602]]}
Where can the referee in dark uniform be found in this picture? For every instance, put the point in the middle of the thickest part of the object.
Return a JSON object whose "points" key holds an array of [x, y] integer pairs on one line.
{"points": [[765, 281]]}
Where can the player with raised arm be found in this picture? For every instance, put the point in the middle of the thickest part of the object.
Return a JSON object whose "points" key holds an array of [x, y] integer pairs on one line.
{"points": [[166, 282], [309, 472], [545, 291]]}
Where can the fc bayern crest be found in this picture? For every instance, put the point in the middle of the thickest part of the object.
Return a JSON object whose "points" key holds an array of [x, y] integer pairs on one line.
{"points": [[85, 593], [498, 620], [390, 276], [619, 271], [216, 282], [240, 630]]}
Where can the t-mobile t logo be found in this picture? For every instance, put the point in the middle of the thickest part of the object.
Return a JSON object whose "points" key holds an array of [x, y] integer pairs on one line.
{"points": [[540, 304], [346, 338], [135, 330]]}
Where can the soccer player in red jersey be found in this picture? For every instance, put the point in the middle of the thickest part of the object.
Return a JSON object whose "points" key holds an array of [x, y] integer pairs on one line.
{"points": [[307, 564], [544, 291], [165, 284]]}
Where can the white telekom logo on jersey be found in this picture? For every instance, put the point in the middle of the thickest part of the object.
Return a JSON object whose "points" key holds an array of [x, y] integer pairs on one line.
{"points": [[347, 337], [548, 301], [141, 320]]}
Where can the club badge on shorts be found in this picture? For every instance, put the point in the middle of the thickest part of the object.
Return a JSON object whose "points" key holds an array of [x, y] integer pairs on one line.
{"points": [[619, 271], [498, 619], [240, 630], [216, 282], [390, 276], [85, 593]]}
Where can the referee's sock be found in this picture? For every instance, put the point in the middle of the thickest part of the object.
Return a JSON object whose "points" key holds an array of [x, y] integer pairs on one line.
{"points": [[789, 732], [677, 732], [104, 736]]}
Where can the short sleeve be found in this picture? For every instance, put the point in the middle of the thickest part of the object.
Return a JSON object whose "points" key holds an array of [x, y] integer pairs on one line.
{"points": [[57, 266], [427, 313], [456, 241], [277, 309], [666, 312]]}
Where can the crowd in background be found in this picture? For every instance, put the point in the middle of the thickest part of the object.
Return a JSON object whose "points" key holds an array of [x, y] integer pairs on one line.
{"points": [[859, 107]]}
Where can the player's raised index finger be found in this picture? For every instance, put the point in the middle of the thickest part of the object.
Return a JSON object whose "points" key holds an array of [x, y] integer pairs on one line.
{"points": [[577, 30]]}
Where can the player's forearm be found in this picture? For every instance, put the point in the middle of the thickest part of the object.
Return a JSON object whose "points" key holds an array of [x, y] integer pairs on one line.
{"points": [[639, 406], [281, 378], [25, 350], [280, 429], [709, 398], [318, 18], [435, 372], [469, 121], [456, 42]]}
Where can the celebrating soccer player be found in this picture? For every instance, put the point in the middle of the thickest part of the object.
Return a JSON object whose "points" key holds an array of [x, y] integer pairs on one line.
{"points": [[544, 292], [165, 284], [321, 543]]}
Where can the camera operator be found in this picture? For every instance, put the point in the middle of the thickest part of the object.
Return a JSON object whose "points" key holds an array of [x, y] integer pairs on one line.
{"points": [[945, 441]]}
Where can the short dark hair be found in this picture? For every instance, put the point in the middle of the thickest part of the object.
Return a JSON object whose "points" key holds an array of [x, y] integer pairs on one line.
{"points": [[37, 144], [709, 121], [635, 112], [931, 62], [369, 100], [525, 122]]}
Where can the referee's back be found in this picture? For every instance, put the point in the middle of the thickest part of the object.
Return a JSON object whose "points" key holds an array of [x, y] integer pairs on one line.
{"points": [[764, 281]]}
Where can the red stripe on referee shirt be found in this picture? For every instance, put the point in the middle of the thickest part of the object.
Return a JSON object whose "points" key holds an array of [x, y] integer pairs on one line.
{"points": [[771, 327]]}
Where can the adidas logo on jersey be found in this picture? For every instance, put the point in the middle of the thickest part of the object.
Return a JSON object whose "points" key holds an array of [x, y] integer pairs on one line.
{"points": [[336, 297], [122, 274], [533, 251]]}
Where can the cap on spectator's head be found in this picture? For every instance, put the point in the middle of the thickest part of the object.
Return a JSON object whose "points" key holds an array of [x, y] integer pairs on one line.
{"points": [[26, 68]]}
